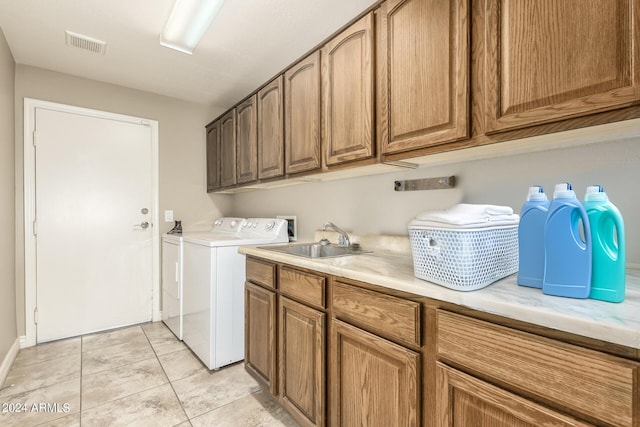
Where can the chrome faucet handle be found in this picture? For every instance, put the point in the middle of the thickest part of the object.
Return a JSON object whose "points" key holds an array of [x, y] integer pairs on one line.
{"points": [[343, 238]]}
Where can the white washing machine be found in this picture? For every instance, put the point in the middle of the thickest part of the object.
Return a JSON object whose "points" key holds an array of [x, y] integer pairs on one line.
{"points": [[213, 289], [172, 266]]}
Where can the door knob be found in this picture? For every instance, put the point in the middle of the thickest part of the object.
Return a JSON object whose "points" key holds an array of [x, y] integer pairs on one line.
{"points": [[142, 225]]}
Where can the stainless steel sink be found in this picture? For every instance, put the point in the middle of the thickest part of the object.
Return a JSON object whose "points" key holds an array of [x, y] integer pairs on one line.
{"points": [[317, 250]]}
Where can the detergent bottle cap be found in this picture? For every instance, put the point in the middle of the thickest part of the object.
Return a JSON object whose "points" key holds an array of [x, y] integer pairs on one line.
{"points": [[564, 191], [536, 193], [595, 193]]}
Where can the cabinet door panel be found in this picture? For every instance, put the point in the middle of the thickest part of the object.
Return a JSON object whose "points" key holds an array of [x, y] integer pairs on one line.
{"points": [[213, 156], [228, 149], [271, 130], [423, 73], [549, 59], [260, 335], [302, 115], [374, 382], [561, 375], [462, 400], [347, 94], [247, 141], [302, 367]]}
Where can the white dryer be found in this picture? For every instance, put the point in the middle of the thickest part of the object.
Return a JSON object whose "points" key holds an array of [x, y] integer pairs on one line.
{"points": [[213, 289], [172, 265]]}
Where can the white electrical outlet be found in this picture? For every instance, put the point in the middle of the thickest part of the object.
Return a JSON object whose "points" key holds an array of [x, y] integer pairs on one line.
{"points": [[168, 216]]}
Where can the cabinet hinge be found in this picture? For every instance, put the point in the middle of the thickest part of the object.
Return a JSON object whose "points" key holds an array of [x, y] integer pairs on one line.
{"points": [[35, 228], [33, 139], [35, 315]]}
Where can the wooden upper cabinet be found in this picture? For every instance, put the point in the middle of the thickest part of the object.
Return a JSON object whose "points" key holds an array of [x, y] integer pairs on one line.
{"points": [[347, 94], [550, 59], [247, 141], [423, 59], [271, 130], [302, 115], [213, 156], [228, 149]]}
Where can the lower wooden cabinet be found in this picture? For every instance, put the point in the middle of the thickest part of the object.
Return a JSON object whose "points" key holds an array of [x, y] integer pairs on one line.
{"points": [[462, 400], [301, 341], [374, 382], [338, 352], [260, 335], [589, 384]]}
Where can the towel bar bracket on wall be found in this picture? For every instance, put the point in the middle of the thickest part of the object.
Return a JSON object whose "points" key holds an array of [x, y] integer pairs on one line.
{"points": [[426, 184]]}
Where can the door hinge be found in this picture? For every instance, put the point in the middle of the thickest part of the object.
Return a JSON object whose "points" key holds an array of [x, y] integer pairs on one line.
{"points": [[34, 138], [35, 315], [35, 228]]}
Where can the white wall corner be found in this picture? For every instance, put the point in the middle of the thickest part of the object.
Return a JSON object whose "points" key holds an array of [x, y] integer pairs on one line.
{"points": [[7, 363]]}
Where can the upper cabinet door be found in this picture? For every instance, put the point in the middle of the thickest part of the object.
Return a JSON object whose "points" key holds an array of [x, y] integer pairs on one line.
{"points": [[423, 73], [347, 94], [247, 141], [228, 149], [553, 59], [213, 156], [271, 130], [302, 115]]}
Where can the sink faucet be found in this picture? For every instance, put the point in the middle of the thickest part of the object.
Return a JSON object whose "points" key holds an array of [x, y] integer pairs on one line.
{"points": [[343, 239]]}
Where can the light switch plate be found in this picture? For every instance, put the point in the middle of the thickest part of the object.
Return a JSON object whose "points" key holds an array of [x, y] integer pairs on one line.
{"points": [[168, 216]]}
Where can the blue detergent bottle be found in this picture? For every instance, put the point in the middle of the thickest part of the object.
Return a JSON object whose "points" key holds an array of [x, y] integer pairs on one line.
{"points": [[531, 238], [567, 258], [609, 261]]}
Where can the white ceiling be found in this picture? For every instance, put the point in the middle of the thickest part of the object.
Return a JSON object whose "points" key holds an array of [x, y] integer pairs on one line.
{"points": [[247, 44]]}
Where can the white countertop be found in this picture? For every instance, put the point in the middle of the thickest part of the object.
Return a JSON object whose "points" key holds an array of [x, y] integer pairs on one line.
{"points": [[615, 323]]}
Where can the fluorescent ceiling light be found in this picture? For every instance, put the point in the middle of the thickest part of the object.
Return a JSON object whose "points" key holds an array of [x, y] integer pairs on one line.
{"points": [[188, 22]]}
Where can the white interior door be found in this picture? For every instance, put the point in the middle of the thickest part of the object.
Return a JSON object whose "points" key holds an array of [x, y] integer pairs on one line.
{"points": [[93, 195]]}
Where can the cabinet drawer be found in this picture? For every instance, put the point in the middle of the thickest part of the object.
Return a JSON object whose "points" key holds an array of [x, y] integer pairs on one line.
{"points": [[261, 272], [303, 286], [386, 315], [590, 383]]}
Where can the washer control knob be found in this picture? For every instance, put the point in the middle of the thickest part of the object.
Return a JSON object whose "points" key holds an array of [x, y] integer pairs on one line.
{"points": [[234, 223], [270, 225]]}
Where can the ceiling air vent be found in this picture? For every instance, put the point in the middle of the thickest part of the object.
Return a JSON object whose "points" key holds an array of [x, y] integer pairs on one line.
{"points": [[87, 43]]}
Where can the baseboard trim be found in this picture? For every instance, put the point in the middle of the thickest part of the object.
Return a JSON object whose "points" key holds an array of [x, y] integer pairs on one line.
{"points": [[7, 363]]}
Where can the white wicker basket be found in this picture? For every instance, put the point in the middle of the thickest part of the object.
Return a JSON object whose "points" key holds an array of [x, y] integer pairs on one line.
{"points": [[464, 259]]}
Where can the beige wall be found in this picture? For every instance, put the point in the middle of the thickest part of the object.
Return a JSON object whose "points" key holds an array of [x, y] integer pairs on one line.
{"points": [[181, 147], [8, 332], [370, 204]]}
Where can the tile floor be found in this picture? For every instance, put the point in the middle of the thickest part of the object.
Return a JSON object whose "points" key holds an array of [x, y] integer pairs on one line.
{"points": [[136, 376]]}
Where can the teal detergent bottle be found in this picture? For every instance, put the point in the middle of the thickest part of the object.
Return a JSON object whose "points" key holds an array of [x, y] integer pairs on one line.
{"points": [[609, 261], [567, 258], [531, 238]]}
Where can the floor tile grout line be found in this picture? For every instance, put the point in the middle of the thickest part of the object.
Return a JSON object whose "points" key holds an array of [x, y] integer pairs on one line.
{"points": [[17, 364], [141, 391], [127, 363], [166, 375], [31, 390]]}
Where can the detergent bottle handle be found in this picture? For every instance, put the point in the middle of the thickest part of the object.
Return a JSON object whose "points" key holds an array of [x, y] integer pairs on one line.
{"points": [[616, 218], [586, 227]]}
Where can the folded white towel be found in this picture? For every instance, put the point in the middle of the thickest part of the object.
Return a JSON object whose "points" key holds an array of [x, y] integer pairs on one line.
{"points": [[467, 216]]}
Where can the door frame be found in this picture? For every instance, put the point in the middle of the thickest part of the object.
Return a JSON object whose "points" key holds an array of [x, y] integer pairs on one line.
{"points": [[30, 283]]}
